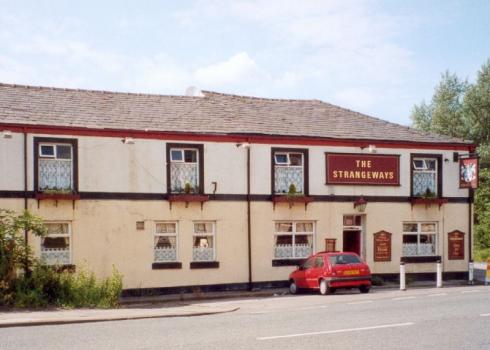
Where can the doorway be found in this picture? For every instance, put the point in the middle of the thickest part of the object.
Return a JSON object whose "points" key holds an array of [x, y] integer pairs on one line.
{"points": [[352, 241]]}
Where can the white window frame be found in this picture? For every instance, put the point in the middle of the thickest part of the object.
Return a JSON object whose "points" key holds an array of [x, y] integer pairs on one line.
{"points": [[55, 150], [288, 165], [205, 234], [425, 169], [294, 233], [55, 157], [182, 151], [172, 234], [69, 235], [419, 233]]}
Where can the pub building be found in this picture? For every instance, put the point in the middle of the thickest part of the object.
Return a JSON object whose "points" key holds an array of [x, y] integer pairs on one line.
{"points": [[217, 191]]}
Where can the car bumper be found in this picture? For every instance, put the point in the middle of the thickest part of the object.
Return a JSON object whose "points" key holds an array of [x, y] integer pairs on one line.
{"points": [[355, 281]]}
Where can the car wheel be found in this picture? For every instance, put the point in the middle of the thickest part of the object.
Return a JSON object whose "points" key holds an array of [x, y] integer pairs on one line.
{"points": [[364, 289], [293, 288], [325, 288]]}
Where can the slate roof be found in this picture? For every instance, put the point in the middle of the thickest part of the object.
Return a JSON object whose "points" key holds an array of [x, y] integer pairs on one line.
{"points": [[215, 113]]}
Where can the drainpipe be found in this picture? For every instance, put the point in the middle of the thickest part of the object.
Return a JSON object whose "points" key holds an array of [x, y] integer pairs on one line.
{"points": [[249, 219], [470, 221], [26, 233]]}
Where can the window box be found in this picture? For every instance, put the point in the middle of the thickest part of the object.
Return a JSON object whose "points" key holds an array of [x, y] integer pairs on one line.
{"points": [[428, 201], [57, 196], [188, 198], [420, 259], [166, 265], [292, 199]]}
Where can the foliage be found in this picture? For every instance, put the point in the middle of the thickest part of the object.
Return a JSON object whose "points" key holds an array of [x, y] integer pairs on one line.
{"points": [[49, 286], [445, 114], [15, 254], [462, 110], [45, 285], [292, 190], [482, 254], [482, 211], [188, 188]]}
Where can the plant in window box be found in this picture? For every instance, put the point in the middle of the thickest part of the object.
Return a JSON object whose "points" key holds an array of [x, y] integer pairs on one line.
{"points": [[292, 192], [428, 194], [188, 189]]}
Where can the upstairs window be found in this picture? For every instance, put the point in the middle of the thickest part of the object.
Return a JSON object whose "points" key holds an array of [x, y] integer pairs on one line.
{"points": [[185, 168], [289, 171], [55, 246], [55, 165], [425, 176]]}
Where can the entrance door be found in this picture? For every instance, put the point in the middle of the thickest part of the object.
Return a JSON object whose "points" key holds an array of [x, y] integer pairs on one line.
{"points": [[352, 242]]}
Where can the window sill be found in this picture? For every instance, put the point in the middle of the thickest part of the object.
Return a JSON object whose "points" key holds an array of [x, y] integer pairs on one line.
{"points": [[287, 262], [291, 199], [57, 196], [204, 265], [166, 265], [428, 201], [188, 198], [420, 259]]}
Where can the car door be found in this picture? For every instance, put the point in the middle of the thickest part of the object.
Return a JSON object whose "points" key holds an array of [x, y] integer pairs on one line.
{"points": [[315, 272], [302, 273]]}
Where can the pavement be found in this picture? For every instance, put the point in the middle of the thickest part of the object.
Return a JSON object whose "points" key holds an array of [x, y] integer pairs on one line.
{"points": [[175, 305]]}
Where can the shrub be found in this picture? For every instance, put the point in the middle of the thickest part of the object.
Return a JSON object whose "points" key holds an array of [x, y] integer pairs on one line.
{"points": [[482, 254]]}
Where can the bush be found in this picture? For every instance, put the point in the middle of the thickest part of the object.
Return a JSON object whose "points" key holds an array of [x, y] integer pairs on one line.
{"points": [[482, 254], [48, 286]]}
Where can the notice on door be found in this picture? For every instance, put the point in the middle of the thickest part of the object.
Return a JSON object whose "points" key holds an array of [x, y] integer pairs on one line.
{"points": [[382, 246], [455, 245]]}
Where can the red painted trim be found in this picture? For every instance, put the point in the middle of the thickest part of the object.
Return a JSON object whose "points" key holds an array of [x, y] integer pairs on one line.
{"points": [[258, 139]]}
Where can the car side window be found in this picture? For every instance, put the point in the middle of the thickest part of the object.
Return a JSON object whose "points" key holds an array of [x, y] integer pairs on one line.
{"points": [[309, 263], [319, 261]]}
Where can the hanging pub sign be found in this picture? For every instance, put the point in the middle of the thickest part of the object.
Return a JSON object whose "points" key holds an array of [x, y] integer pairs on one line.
{"points": [[468, 173], [382, 246], [362, 169], [455, 245]]}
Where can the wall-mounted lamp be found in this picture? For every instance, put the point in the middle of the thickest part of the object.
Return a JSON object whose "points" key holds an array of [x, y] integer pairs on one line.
{"points": [[360, 204], [128, 141], [243, 145], [6, 134], [370, 148]]}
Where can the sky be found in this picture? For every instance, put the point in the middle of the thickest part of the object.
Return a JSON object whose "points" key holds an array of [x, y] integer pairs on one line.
{"points": [[375, 57]]}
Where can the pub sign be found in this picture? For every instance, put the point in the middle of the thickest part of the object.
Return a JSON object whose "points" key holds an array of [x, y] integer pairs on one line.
{"points": [[468, 173], [362, 169]]}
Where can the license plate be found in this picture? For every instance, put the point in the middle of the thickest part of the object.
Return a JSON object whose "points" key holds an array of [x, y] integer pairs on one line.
{"points": [[351, 272]]}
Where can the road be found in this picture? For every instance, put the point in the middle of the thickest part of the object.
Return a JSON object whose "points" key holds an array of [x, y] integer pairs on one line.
{"points": [[449, 318]]}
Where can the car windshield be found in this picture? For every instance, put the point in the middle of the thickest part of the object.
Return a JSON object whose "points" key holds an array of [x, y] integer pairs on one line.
{"points": [[343, 259]]}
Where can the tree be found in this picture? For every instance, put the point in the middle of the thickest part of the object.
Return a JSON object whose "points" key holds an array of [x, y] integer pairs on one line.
{"points": [[422, 116], [445, 113], [477, 112], [14, 252], [461, 110]]}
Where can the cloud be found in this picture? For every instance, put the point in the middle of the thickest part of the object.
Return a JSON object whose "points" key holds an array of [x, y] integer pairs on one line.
{"points": [[237, 69]]}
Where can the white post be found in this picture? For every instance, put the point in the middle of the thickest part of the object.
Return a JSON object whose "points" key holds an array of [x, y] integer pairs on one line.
{"points": [[402, 276], [471, 269], [439, 275]]}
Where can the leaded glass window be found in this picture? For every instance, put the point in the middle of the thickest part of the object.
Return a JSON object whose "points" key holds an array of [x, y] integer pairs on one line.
{"points": [[55, 167], [293, 239], [56, 245], [165, 242], [204, 245], [424, 177], [419, 239], [288, 172], [184, 170]]}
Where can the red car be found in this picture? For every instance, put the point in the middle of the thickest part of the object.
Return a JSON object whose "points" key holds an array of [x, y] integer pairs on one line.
{"points": [[330, 271]]}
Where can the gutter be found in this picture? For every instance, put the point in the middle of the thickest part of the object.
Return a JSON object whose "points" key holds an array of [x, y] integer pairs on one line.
{"points": [[26, 233]]}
